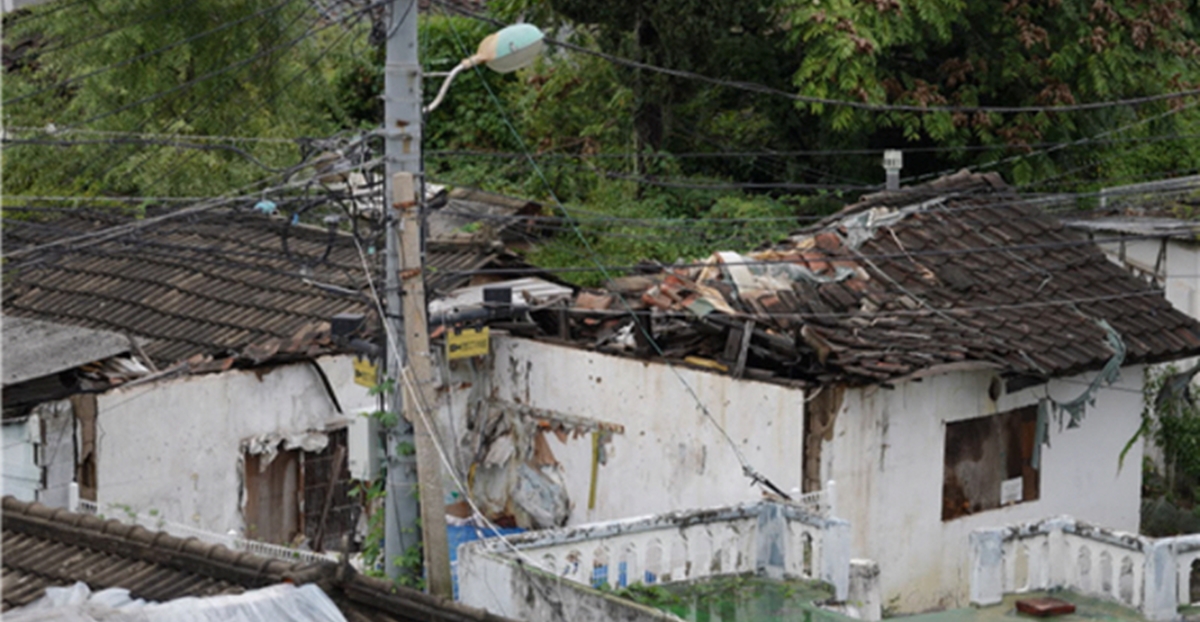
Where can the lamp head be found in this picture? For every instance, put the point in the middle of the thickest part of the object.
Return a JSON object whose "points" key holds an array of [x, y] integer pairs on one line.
{"points": [[511, 48]]}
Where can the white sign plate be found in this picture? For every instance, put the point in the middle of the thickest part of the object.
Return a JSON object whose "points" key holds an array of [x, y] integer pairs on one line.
{"points": [[1011, 490]]}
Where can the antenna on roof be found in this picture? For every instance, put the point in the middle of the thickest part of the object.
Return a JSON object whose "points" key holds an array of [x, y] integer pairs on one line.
{"points": [[893, 161]]}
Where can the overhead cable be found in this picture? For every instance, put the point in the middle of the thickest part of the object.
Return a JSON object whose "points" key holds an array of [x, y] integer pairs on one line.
{"points": [[870, 107], [77, 79]]}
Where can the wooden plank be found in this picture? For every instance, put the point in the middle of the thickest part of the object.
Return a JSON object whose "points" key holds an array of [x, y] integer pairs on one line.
{"points": [[747, 333], [335, 469]]}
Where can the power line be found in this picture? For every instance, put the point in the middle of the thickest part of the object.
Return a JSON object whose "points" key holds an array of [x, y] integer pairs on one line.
{"points": [[747, 469], [142, 141], [143, 56], [767, 90], [102, 34], [155, 135], [96, 237], [423, 410], [89, 198], [586, 217], [1076, 143], [910, 254], [114, 163], [733, 185], [209, 103], [687, 155], [242, 63], [1156, 176], [299, 74]]}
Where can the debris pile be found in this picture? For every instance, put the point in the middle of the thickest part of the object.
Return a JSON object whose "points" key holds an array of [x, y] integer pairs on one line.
{"points": [[958, 274]]}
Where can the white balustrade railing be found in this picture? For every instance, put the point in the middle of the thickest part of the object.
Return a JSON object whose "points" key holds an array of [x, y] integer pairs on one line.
{"points": [[1153, 575], [818, 503], [233, 542], [784, 540]]}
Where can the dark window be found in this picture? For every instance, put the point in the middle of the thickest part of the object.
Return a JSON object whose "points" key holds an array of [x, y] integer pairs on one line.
{"points": [[989, 462]]}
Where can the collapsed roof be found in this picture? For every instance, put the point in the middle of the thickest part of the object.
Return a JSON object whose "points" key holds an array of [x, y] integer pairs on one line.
{"points": [[960, 273]]}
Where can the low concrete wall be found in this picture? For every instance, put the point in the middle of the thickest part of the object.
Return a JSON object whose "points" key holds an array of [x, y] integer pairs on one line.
{"points": [[524, 592], [769, 539], [1151, 575]]}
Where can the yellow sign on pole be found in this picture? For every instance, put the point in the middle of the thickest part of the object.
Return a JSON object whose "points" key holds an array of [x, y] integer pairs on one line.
{"points": [[467, 342], [366, 373]]}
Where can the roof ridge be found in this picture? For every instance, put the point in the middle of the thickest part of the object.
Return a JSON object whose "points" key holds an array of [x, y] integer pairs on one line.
{"points": [[214, 561], [134, 541]]}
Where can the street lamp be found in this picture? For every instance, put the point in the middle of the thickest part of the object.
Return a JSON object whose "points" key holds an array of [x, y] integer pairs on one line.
{"points": [[505, 51]]}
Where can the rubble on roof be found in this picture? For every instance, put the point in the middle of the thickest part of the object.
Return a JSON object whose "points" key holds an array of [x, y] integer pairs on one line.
{"points": [[953, 275]]}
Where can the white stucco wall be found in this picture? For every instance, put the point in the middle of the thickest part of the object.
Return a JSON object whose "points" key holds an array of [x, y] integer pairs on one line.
{"points": [[670, 457], [887, 458], [175, 446], [1181, 286], [1182, 267]]}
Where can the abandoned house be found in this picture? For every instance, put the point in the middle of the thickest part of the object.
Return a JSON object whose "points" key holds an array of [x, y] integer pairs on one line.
{"points": [[934, 360], [213, 369]]}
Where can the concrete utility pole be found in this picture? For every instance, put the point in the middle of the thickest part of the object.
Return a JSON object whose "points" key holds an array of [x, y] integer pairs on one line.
{"points": [[407, 317]]}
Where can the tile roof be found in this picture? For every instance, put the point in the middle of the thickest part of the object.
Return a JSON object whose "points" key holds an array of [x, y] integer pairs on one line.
{"points": [[44, 547], [211, 283], [954, 274]]}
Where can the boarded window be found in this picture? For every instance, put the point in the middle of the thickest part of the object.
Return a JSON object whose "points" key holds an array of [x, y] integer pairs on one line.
{"points": [[989, 463], [273, 497], [301, 497], [329, 510]]}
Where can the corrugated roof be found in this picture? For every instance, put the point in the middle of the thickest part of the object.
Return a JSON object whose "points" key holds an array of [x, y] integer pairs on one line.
{"points": [[45, 547], [33, 348], [1140, 226], [212, 283]]}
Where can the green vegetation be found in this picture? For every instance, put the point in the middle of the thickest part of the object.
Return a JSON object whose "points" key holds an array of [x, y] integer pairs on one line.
{"points": [[247, 68], [736, 597], [1171, 422], [649, 165]]}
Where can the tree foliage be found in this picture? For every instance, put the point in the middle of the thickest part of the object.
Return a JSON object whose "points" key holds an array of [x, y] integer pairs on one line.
{"points": [[616, 143], [1043, 53], [243, 68]]}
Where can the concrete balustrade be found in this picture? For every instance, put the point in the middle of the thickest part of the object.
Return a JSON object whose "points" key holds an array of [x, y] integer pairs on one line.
{"points": [[1152, 575], [775, 540]]}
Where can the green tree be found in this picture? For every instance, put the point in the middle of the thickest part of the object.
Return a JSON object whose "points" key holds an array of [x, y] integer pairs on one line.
{"points": [[243, 68], [1018, 53], [1041, 53], [728, 39]]}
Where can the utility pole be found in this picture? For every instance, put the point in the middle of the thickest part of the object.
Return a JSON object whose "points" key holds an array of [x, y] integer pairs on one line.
{"points": [[407, 318]]}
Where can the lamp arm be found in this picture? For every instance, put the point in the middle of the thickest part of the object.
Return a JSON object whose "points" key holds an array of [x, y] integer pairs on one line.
{"points": [[467, 63]]}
